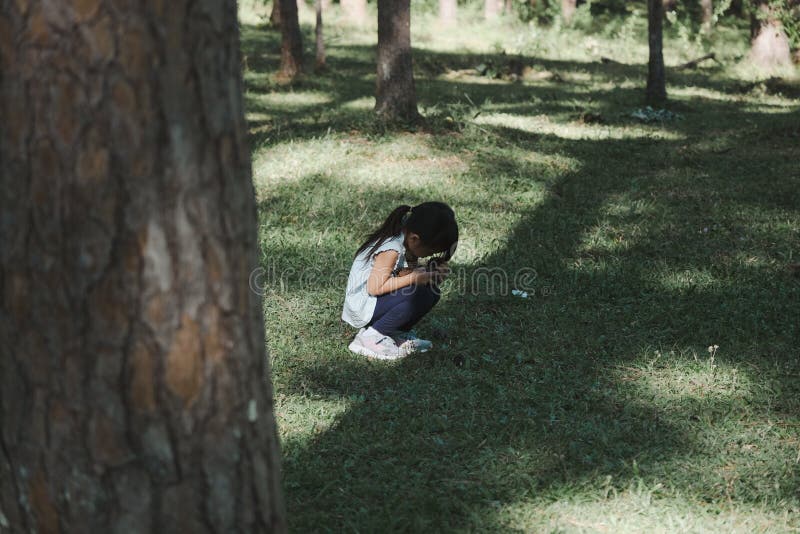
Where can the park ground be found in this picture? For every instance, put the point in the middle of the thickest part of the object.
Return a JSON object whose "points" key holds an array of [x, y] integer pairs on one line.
{"points": [[651, 379]]}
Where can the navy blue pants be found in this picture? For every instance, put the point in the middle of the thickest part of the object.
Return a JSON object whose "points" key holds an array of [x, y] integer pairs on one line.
{"points": [[402, 309]]}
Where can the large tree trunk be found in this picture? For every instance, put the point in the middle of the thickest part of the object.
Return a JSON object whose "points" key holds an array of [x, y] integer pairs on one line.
{"points": [[448, 12], [355, 11], [395, 96], [291, 41], [132, 363], [769, 47], [656, 83], [275, 15], [568, 10], [320, 62]]}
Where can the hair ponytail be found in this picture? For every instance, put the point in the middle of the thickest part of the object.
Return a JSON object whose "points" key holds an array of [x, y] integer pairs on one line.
{"points": [[392, 226], [434, 222]]}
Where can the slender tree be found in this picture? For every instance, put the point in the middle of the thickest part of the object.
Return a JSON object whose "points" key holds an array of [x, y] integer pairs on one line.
{"points": [[769, 47], [568, 10], [275, 14], [448, 12], [355, 11], [320, 48], [291, 41], [132, 364], [656, 82], [707, 13], [395, 96]]}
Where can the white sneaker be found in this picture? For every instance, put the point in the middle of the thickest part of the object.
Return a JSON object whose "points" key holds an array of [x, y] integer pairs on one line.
{"points": [[375, 346], [408, 343]]}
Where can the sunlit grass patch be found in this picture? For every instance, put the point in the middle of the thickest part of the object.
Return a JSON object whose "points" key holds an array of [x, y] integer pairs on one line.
{"points": [[543, 124], [287, 101], [293, 412], [406, 161], [697, 279], [641, 507], [363, 103]]}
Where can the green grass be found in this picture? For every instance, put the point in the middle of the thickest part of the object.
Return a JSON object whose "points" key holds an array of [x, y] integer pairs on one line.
{"points": [[594, 405]]}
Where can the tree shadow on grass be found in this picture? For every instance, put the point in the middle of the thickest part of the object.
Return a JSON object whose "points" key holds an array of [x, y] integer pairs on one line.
{"points": [[548, 398], [539, 400]]}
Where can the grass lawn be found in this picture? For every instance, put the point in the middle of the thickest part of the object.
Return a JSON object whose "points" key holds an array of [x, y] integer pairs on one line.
{"points": [[594, 405]]}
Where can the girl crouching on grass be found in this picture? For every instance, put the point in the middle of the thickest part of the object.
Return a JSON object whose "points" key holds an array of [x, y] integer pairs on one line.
{"points": [[388, 292]]}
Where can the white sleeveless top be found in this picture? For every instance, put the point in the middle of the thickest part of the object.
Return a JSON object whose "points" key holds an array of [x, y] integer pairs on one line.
{"points": [[359, 305]]}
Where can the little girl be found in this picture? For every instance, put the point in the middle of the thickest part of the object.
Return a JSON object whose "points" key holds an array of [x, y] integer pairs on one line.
{"points": [[387, 290]]}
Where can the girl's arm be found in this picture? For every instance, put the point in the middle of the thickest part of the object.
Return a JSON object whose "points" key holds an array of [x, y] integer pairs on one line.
{"points": [[381, 281]]}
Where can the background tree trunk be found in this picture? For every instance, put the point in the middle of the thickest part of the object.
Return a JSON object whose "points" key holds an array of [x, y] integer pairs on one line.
{"points": [[769, 47], [656, 83], [567, 10], [320, 62], [669, 5], [355, 11], [291, 41], [395, 93], [707, 13], [492, 8], [448, 12], [132, 363], [275, 15]]}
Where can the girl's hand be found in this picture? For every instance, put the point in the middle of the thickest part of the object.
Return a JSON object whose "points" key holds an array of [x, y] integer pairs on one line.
{"points": [[420, 276], [423, 276]]}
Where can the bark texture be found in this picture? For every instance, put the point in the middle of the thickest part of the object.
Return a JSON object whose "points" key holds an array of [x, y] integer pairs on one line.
{"points": [[132, 362], [769, 47], [656, 83], [396, 96], [320, 48], [291, 41], [448, 12], [275, 14]]}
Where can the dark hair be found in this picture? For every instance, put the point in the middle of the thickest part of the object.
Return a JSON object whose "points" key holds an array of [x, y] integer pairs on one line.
{"points": [[434, 223]]}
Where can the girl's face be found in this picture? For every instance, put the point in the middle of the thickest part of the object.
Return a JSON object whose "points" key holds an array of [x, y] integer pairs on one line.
{"points": [[417, 248]]}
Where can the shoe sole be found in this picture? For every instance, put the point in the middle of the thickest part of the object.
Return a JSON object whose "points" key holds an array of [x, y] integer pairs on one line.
{"points": [[360, 349]]}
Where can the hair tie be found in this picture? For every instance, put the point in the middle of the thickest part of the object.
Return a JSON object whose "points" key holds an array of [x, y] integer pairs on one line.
{"points": [[406, 216]]}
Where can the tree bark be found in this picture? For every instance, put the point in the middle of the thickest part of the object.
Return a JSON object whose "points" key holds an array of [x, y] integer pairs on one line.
{"points": [[355, 11], [707, 9], [568, 10], [275, 15], [656, 82], [132, 363], [320, 62], [448, 12], [395, 93], [291, 41], [769, 47]]}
